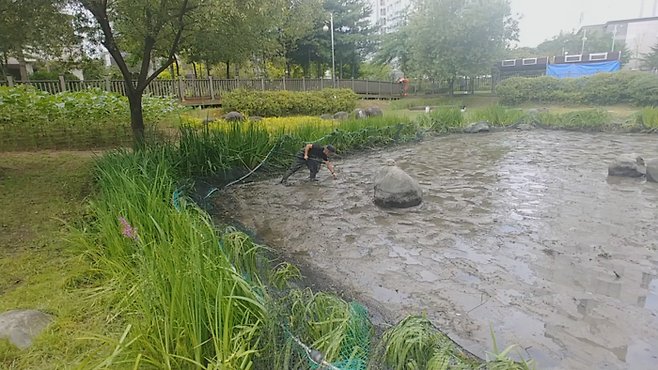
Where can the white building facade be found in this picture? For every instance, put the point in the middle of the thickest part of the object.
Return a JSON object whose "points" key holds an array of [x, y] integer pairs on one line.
{"points": [[386, 13]]}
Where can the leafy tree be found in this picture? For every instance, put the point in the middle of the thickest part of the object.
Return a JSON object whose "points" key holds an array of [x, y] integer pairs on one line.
{"points": [[449, 38], [145, 29], [301, 18], [650, 60], [394, 47], [37, 27], [232, 31], [375, 71]]}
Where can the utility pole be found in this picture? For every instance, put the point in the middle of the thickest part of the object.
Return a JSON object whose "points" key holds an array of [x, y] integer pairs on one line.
{"points": [[614, 38]]}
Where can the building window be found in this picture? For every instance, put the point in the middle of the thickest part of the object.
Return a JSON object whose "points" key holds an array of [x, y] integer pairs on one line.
{"points": [[384, 21], [598, 56], [383, 12], [383, 2], [573, 58]]}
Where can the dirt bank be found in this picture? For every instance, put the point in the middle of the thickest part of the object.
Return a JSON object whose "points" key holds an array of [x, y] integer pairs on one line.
{"points": [[522, 231]]}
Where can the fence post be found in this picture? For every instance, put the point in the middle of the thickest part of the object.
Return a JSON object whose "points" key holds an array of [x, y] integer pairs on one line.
{"points": [[322, 84], [262, 84], [367, 86], [212, 88], [108, 84], [284, 82], [62, 83], [304, 83], [237, 82], [181, 93], [352, 83], [380, 88], [10, 81]]}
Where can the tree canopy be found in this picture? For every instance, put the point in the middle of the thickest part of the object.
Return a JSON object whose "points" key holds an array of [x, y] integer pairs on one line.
{"points": [[448, 38], [49, 32]]}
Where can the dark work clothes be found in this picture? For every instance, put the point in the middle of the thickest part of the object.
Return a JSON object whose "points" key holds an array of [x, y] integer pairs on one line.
{"points": [[314, 154]]}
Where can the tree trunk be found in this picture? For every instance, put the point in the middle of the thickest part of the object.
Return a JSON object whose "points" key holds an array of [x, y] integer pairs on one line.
{"points": [[320, 70], [137, 119], [228, 69], [171, 71], [196, 75], [237, 70], [208, 69], [22, 66], [452, 86], [177, 69]]}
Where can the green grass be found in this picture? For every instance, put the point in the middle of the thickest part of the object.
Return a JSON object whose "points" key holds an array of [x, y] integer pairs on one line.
{"points": [[650, 117], [588, 120], [39, 193], [496, 115]]}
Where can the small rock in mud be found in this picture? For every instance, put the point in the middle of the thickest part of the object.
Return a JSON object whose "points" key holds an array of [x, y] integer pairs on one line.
{"points": [[652, 170], [374, 111], [234, 116], [359, 114], [525, 127], [627, 167], [476, 127], [326, 117]]}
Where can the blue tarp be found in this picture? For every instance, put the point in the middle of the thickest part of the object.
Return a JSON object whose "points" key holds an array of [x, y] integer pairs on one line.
{"points": [[582, 69]]}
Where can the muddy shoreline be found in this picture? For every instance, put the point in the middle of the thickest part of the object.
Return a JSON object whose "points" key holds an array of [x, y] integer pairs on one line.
{"points": [[519, 230]]}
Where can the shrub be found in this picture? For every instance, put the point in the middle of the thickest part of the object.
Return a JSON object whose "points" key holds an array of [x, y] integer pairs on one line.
{"points": [[645, 91], [545, 89], [633, 87], [288, 103], [611, 88]]}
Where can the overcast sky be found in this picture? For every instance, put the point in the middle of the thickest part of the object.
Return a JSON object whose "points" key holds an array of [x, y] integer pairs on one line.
{"points": [[543, 19]]}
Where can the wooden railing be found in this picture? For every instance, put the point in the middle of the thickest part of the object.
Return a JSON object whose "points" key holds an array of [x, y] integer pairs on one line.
{"points": [[215, 89]]}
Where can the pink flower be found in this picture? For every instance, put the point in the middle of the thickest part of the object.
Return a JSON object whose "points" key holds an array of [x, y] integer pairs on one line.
{"points": [[128, 231]]}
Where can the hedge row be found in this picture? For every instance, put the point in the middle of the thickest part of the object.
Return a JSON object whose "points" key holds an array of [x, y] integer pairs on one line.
{"points": [[633, 87], [289, 103]]}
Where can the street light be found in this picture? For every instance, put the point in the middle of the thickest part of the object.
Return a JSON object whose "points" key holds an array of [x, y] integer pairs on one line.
{"points": [[333, 54]]}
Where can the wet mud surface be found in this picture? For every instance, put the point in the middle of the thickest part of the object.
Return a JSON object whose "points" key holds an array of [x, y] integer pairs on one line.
{"points": [[521, 231]]}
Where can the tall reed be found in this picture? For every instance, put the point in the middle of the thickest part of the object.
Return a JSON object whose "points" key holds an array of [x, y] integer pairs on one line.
{"points": [[187, 292]]}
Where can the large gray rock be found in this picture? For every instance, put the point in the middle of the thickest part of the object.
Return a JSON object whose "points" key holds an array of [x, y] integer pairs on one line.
{"points": [[359, 114], [631, 166], [476, 127], [234, 116], [652, 170], [341, 115], [21, 326], [374, 111], [255, 118], [395, 188], [327, 117]]}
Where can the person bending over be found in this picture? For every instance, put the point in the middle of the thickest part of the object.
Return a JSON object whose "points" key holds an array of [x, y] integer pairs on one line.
{"points": [[311, 156]]}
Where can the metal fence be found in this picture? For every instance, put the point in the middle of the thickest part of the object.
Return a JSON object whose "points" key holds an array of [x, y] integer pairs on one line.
{"points": [[214, 89]]}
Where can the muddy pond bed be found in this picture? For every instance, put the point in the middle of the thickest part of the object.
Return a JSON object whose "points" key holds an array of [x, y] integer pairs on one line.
{"points": [[520, 231]]}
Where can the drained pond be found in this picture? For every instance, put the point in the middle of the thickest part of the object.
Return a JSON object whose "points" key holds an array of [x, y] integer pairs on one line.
{"points": [[520, 232]]}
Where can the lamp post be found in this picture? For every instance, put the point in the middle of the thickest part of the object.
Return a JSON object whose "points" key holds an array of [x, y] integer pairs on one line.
{"points": [[614, 37], [582, 50], [333, 53]]}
